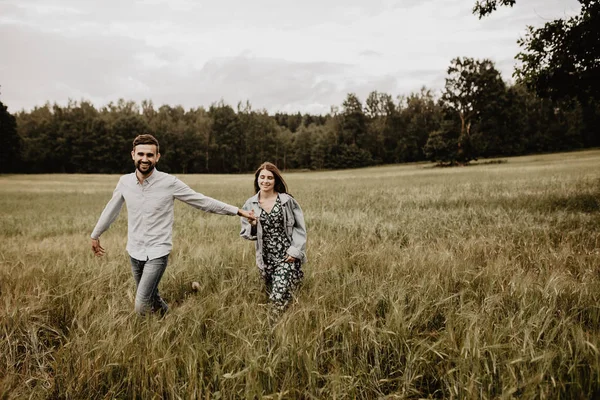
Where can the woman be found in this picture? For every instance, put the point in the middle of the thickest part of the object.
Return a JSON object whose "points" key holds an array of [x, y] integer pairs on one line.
{"points": [[279, 232]]}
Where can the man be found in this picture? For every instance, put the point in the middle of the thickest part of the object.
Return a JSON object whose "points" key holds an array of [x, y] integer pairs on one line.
{"points": [[150, 196]]}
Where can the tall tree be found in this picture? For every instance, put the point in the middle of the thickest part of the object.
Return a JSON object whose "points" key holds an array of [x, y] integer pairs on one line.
{"points": [[123, 121], [442, 144], [380, 111], [227, 140], [261, 139], [10, 142], [303, 140], [324, 140], [37, 129], [485, 7], [422, 116], [195, 139], [78, 129], [353, 127], [353, 140], [561, 60], [182, 137], [470, 87]]}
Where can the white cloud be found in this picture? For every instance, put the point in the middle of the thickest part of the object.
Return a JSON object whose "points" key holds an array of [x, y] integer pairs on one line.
{"points": [[279, 55]]}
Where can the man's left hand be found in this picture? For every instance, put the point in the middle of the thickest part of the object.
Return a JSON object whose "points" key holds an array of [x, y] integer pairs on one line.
{"points": [[249, 215]]}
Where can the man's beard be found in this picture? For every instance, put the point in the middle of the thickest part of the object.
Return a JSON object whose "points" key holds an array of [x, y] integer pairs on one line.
{"points": [[148, 171]]}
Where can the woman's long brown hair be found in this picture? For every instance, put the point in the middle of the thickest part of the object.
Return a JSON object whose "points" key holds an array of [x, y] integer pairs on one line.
{"points": [[280, 185]]}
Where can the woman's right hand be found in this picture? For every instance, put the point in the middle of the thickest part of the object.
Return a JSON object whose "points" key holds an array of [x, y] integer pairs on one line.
{"points": [[254, 220]]}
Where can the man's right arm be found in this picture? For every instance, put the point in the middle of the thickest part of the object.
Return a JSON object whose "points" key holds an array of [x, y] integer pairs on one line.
{"points": [[109, 214]]}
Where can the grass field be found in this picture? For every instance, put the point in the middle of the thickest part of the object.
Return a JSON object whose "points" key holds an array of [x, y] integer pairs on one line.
{"points": [[478, 282]]}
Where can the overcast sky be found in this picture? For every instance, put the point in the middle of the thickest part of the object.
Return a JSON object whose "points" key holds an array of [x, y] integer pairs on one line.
{"points": [[281, 55]]}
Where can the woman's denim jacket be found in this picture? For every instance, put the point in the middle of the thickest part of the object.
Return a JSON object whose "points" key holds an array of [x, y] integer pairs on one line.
{"points": [[293, 218]]}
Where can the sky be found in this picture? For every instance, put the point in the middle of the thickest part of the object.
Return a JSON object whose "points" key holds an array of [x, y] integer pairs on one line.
{"points": [[280, 55]]}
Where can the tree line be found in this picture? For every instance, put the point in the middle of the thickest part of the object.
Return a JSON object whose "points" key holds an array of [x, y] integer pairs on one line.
{"points": [[477, 115]]}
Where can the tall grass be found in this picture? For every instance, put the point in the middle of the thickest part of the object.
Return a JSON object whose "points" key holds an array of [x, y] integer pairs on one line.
{"points": [[477, 282]]}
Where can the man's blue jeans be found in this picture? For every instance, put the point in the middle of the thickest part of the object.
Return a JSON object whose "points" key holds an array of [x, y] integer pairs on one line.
{"points": [[147, 275]]}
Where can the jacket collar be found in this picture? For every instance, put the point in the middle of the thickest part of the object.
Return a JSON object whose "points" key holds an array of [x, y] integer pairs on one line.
{"points": [[284, 197]]}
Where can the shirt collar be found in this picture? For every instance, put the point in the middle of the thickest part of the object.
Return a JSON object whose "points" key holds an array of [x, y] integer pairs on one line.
{"points": [[152, 177], [149, 180]]}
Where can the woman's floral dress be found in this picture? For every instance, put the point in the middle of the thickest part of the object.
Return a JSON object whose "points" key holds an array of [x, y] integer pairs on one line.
{"points": [[281, 278]]}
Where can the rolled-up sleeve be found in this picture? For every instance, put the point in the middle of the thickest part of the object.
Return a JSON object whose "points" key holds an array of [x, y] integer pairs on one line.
{"points": [[110, 212], [184, 193]]}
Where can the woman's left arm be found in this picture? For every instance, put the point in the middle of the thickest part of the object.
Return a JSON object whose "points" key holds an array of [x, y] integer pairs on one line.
{"points": [[297, 248]]}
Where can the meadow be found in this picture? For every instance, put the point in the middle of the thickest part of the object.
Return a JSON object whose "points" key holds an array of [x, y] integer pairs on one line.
{"points": [[476, 282]]}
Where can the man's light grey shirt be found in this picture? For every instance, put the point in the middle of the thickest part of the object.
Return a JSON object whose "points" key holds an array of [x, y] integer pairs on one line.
{"points": [[150, 212]]}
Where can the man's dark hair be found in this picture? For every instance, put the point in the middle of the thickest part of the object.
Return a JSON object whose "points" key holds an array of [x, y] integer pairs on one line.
{"points": [[146, 139]]}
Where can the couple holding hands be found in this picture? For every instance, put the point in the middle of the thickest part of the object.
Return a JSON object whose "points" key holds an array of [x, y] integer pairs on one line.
{"points": [[272, 218]]}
